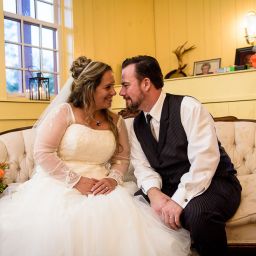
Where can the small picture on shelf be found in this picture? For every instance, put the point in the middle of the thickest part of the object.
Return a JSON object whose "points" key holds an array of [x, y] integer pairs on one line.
{"points": [[243, 56], [206, 67]]}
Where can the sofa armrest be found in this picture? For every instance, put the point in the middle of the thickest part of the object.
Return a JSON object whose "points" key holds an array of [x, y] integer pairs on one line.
{"points": [[16, 148]]}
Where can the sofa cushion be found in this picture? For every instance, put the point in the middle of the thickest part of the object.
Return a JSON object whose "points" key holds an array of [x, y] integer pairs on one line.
{"points": [[246, 212]]}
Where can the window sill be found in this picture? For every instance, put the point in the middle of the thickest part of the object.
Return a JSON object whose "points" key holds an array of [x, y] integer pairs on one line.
{"points": [[24, 100]]}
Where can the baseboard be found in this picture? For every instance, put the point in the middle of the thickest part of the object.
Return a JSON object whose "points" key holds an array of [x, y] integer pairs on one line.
{"points": [[242, 249]]}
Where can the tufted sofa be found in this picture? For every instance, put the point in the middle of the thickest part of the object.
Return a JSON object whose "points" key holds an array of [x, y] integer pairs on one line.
{"points": [[239, 140], [237, 136]]}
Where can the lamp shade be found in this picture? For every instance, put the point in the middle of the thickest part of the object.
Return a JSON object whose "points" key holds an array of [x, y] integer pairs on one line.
{"points": [[250, 28]]}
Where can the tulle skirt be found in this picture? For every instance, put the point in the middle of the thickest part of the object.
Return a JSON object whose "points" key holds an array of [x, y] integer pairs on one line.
{"points": [[45, 218]]}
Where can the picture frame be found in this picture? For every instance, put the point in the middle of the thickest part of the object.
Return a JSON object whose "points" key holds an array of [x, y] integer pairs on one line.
{"points": [[206, 67], [243, 55]]}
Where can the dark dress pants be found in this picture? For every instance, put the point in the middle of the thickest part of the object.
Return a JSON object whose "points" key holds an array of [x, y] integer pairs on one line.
{"points": [[205, 215]]}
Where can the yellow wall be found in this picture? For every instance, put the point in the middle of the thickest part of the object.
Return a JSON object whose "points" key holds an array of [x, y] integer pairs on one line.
{"points": [[111, 30]]}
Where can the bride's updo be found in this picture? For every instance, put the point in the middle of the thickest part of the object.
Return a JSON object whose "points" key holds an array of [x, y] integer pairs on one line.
{"points": [[79, 65], [87, 76]]}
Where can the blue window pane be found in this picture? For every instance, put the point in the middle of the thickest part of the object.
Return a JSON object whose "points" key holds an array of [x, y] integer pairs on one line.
{"points": [[10, 6], [53, 83], [13, 81], [31, 34], [45, 12], [13, 55], [28, 8], [49, 60], [12, 30], [48, 38], [32, 58]]}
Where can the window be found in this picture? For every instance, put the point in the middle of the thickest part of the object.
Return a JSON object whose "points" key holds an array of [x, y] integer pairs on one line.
{"points": [[31, 43]]}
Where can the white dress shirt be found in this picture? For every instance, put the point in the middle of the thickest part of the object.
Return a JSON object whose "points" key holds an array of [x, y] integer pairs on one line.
{"points": [[203, 151]]}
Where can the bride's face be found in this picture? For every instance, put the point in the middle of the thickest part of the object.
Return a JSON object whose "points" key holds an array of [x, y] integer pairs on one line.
{"points": [[105, 91]]}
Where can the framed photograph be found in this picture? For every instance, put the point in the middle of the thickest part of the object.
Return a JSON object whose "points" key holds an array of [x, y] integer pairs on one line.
{"points": [[243, 56], [205, 67]]}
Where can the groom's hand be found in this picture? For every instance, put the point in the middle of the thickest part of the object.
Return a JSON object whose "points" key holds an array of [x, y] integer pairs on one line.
{"points": [[171, 214], [157, 199]]}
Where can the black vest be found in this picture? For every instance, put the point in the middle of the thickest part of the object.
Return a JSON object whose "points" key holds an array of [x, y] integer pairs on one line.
{"points": [[169, 156]]}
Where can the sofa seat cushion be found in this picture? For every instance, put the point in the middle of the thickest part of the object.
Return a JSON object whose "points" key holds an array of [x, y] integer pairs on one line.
{"points": [[246, 212]]}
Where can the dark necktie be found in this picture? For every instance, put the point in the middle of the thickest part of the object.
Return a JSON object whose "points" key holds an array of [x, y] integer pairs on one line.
{"points": [[149, 117]]}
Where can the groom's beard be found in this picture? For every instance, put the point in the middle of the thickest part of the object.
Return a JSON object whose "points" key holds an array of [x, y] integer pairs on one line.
{"points": [[134, 105]]}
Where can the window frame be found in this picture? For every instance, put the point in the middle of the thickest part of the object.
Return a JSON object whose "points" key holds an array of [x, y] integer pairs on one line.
{"points": [[41, 24]]}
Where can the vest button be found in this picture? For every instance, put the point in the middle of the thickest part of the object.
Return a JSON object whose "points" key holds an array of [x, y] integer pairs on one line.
{"points": [[186, 200]]}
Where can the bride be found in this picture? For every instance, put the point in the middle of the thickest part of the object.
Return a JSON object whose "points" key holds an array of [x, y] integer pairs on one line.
{"points": [[76, 204]]}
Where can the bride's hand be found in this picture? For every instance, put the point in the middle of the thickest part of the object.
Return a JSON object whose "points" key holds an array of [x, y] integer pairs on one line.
{"points": [[85, 185], [104, 186]]}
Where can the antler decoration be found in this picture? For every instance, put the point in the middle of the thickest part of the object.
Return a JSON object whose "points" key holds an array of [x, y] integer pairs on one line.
{"points": [[180, 51]]}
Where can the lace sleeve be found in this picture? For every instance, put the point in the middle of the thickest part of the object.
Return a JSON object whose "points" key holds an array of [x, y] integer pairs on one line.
{"points": [[121, 159], [48, 138]]}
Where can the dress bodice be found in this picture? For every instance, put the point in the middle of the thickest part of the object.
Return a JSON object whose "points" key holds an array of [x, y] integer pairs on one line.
{"points": [[82, 143], [83, 147]]}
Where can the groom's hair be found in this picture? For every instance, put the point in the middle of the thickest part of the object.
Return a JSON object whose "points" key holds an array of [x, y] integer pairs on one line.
{"points": [[146, 67]]}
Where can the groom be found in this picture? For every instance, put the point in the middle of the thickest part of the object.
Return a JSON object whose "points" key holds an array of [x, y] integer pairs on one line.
{"points": [[180, 167]]}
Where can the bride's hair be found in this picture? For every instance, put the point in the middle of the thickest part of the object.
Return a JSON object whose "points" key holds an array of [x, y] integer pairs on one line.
{"points": [[87, 76]]}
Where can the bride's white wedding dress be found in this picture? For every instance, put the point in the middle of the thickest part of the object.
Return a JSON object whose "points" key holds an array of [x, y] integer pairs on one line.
{"points": [[47, 217]]}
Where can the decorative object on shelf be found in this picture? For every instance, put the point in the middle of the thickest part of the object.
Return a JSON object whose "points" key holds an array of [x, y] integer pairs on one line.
{"points": [[250, 36], [179, 52], [39, 88], [3, 167], [243, 57], [206, 67], [226, 69]]}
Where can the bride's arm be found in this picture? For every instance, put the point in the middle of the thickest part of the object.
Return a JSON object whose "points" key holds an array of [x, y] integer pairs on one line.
{"points": [[48, 138], [120, 160]]}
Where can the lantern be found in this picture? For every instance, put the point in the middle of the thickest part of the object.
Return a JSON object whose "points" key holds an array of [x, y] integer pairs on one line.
{"points": [[39, 88]]}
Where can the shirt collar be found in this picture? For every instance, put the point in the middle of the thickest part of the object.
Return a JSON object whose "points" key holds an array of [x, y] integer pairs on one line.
{"points": [[156, 110]]}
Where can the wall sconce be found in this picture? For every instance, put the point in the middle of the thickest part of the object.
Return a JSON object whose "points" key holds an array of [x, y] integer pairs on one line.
{"points": [[250, 28], [39, 88]]}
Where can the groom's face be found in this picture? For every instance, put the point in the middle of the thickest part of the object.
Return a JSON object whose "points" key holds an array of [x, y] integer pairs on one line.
{"points": [[131, 89]]}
